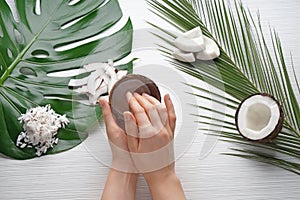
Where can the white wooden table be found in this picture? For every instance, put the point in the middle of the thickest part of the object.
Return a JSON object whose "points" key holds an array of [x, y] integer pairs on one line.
{"points": [[81, 172]]}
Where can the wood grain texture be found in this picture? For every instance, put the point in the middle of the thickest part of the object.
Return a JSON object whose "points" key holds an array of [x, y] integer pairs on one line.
{"points": [[80, 174]]}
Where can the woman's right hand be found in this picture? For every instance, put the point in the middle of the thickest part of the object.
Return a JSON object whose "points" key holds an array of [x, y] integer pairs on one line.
{"points": [[150, 132], [150, 135]]}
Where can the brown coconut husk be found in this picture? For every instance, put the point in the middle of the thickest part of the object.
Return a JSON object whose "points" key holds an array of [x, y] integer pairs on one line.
{"points": [[133, 83]]}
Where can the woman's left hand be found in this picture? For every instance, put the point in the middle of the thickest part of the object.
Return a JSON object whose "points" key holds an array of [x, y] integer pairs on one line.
{"points": [[121, 182]]}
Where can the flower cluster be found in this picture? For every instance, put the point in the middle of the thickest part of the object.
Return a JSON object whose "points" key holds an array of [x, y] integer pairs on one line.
{"points": [[40, 125]]}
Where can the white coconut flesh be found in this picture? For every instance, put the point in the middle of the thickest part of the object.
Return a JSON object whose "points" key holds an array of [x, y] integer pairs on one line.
{"points": [[183, 56], [189, 44], [193, 33], [194, 42], [210, 52], [258, 117], [102, 78]]}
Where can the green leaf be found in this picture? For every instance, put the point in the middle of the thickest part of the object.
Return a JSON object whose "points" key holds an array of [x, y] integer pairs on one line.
{"points": [[247, 65], [39, 44]]}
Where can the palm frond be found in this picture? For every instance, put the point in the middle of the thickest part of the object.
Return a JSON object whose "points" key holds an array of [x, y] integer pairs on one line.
{"points": [[248, 64]]}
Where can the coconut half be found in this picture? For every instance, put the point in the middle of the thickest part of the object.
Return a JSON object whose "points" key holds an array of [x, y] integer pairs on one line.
{"points": [[134, 83], [259, 117]]}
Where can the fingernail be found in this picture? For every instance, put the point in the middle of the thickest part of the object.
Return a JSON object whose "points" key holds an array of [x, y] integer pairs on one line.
{"points": [[146, 95], [128, 96], [126, 116], [135, 94], [101, 103], [168, 96]]}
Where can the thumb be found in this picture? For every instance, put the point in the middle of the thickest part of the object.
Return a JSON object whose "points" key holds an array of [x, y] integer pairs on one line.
{"points": [[171, 112], [132, 131], [109, 120]]}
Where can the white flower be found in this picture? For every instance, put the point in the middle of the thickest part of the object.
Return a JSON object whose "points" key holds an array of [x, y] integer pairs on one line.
{"points": [[40, 125]]}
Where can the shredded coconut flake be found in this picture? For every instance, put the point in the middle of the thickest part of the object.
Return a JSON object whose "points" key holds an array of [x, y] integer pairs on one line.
{"points": [[40, 125]]}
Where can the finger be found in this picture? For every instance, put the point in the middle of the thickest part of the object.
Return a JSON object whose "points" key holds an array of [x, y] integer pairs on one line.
{"points": [[171, 112], [161, 109], [151, 110], [138, 111], [115, 134], [109, 120], [156, 120], [131, 127], [154, 128], [132, 131], [151, 99], [147, 105], [153, 116]]}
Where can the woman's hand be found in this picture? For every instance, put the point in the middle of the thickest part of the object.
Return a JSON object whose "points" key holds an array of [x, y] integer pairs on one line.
{"points": [[150, 134], [120, 183], [121, 159]]}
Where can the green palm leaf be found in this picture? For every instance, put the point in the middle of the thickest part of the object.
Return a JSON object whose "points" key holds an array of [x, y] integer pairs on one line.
{"points": [[36, 45], [247, 65]]}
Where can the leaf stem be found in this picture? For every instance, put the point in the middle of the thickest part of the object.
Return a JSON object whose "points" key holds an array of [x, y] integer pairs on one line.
{"points": [[13, 65]]}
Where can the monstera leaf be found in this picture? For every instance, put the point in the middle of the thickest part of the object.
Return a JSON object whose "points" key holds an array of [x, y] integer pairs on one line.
{"points": [[36, 43]]}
